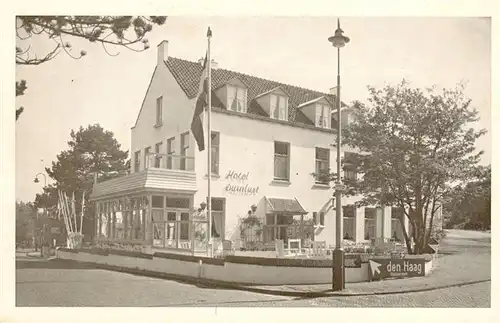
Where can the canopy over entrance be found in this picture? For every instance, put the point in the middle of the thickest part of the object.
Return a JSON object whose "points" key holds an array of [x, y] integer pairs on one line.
{"points": [[284, 206]]}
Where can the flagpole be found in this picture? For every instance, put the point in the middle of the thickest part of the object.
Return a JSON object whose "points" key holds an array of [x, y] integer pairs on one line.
{"points": [[209, 143]]}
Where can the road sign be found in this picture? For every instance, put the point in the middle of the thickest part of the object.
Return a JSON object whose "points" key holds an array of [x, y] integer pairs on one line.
{"points": [[381, 268], [339, 187]]}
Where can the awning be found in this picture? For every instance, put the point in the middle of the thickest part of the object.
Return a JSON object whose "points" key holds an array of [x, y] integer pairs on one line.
{"points": [[287, 206]]}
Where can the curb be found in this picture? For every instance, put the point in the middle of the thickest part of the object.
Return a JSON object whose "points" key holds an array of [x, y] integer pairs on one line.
{"points": [[217, 284], [352, 294]]}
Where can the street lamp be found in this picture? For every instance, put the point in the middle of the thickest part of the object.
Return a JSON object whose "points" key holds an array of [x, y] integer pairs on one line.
{"points": [[338, 41], [44, 179], [44, 185]]}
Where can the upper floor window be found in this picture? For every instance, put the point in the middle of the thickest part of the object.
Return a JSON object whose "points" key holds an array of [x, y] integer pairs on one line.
{"points": [[323, 116], [322, 165], [236, 98], [159, 111], [158, 156], [147, 152], [170, 152], [279, 107], [137, 161], [215, 152], [184, 149], [281, 161], [350, 172]]}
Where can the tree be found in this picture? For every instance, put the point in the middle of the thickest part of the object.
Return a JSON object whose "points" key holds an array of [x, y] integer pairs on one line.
{"points": [[25, 221], [92, 150], [122, 31], [412, 145], [470, 203]]}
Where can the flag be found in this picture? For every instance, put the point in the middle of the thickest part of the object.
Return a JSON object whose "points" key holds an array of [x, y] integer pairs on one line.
{"points": [[201, 103]]}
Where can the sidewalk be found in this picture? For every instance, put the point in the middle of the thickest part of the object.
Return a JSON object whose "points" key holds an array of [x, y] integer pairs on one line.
{"points": [[457, 265], [31, 253], [443, 276]]}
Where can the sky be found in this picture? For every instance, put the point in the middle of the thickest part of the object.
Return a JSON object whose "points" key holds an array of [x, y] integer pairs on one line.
{"points": [[64, 94]]}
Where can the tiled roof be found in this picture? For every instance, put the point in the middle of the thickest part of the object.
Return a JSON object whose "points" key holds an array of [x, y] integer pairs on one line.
{"points": [[188, 75]]}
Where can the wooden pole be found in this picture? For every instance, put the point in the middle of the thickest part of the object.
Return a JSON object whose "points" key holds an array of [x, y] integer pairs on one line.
{"points": [[73, 211], [83, 209]]}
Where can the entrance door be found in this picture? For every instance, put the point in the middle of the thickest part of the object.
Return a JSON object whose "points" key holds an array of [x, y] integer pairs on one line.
{"points": [[177, 229]]}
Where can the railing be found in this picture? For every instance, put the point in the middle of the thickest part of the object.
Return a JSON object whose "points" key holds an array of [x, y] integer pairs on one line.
{"points": [[285, 232], [169, 161]]}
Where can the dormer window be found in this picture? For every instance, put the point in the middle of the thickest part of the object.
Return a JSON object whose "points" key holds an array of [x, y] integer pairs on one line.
{"points": [[279, 107], [322, 115], [236, 99]]}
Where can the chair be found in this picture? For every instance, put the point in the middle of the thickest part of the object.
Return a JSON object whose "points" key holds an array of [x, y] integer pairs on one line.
{"points": [[227, 247], [279, 246], [318, 249], [294, 246]]}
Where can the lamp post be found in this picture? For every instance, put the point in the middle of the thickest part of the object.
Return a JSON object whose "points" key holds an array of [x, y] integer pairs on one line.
{"points": [[338, 41], [44, 185]]}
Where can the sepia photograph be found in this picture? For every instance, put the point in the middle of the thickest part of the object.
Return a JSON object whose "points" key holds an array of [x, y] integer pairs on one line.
{"points": [[253, 161]]}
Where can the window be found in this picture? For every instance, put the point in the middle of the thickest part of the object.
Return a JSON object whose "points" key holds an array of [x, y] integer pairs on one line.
{"points": [[215, 152], [322, 115], [350, 172], [281, 161], [322, 165], [370, 223], [147, 152], [157, 201], [170, 152], [137, 161], [184, 150], [217, 210], [158, 156], [184, 226], [279, 107], [319, 218], [159, 111], [236, 99], [181, 203], [349, 222]]}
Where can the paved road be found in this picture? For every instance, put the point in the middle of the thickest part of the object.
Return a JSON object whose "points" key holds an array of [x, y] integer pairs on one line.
{"points": [[42, 283]]}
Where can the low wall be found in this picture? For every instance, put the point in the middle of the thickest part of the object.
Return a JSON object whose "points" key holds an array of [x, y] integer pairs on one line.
{"points": [[232, 269]]}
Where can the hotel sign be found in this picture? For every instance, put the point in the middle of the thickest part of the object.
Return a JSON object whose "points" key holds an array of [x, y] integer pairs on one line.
{"points": [[237, 184], [381, 268]]}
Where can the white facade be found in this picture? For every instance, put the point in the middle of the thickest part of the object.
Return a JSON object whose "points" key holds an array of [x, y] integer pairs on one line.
{"points": [[245, 173]]}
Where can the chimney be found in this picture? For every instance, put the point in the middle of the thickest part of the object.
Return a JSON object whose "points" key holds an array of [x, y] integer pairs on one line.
{"points": [[333, 91], [162, 52], [214, 65]]}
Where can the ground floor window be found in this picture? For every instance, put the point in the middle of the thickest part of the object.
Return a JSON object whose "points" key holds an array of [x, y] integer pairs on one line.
{"points": [[285, 227], [122, 219], [218, 218], [349, 212], [172, 231], [397, 215], [370, 223]]}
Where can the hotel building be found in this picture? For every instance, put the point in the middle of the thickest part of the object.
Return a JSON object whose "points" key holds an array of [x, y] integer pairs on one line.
{"points": [[268, 138]]}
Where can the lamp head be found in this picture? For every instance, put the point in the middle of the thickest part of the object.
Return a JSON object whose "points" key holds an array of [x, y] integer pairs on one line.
{"points": [[338, 40], [36, 180]]}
